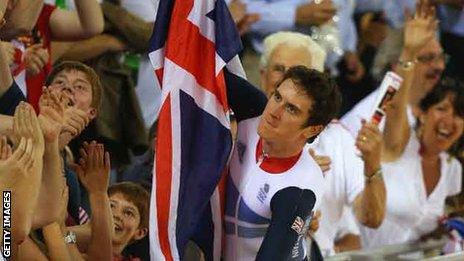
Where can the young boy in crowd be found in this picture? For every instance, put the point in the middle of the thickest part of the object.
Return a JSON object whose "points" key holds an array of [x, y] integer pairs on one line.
{"points": [[81, 86], [129, 203], [129, 206]]}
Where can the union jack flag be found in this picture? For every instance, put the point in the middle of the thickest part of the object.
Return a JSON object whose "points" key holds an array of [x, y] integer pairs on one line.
{"points": [[192, 42]]}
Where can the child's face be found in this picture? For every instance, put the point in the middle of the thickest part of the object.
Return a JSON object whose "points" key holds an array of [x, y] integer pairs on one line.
{"points": [[126, 219]]}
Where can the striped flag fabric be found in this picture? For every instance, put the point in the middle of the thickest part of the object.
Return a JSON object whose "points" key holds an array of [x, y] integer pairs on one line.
{"points": [[192, 42]]}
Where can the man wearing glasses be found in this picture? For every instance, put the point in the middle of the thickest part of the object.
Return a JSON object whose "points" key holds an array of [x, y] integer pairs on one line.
{"points": [[430, 64]]}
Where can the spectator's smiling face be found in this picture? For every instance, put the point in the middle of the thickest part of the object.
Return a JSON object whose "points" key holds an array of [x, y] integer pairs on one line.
{"points": [[442, 127], [75, 85], [286, 114], [282, 58], [126, 219]]}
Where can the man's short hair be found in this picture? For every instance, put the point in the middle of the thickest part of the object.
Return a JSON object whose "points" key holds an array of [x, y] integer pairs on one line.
{"points": [[92, 76], [321, 88], [293, 39], [135, 194]]}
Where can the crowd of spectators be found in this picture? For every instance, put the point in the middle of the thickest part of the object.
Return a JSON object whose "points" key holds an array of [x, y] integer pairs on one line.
{"points": [[79, 104]]}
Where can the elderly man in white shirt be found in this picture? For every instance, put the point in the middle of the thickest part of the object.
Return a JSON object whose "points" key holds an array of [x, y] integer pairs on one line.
{"points": [[346, 183]]}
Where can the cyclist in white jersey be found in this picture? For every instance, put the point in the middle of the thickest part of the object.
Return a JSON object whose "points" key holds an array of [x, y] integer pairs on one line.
{"points": [[271, 154]]}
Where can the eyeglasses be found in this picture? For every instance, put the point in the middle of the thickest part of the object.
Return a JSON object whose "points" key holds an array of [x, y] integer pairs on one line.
{"points": [[431, 57], [279, 68]]}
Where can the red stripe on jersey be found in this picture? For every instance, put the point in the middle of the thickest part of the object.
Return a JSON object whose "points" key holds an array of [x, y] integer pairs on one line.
{"points": [[274, 165]]}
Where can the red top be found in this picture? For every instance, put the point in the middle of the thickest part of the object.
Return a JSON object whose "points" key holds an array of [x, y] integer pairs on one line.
{"points": [[41, 34]]}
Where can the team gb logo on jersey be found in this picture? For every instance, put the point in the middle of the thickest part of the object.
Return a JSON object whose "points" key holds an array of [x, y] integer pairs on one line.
{"points": [[298, 225]]}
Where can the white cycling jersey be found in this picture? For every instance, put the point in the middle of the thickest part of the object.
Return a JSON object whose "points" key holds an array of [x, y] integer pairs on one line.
{"points": [[253, 181]]}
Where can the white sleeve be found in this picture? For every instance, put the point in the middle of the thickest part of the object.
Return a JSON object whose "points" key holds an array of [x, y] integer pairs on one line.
{"points": [[346, 25], [347, 224], [454, 177], [353, 166], [362, 110]]}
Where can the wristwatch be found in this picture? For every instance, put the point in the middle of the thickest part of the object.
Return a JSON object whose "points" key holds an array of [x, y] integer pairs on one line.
{"points": [[376, 175], [70, 237]]}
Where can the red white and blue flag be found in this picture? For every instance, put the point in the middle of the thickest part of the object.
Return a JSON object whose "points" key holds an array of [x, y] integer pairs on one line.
{"points": [[192, 42]]}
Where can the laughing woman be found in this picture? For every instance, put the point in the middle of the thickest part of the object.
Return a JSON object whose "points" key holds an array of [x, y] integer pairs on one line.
{"points": [[419, 174], [424, 174]]}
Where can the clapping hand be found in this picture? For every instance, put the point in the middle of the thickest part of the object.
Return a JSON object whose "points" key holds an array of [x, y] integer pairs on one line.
{"points": [[51, 117], [26, 124], [15, 165], [36, 57], [75, 121], [94, 167]]}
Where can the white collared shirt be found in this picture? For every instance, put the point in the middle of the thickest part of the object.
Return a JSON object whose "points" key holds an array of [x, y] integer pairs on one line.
{"points": [[410, 213], [344, 181]]}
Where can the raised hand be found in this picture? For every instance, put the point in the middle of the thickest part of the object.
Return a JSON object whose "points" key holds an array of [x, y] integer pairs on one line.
{"points": [[317, 12], [51, 117], [35, 57], [243, 20], [5, 149], [94, 173], [421, 28], [15, 165], [244, 25], [94, 168], [369, 142], [238, 10], [75, 121], [26, 124]]}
